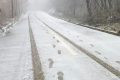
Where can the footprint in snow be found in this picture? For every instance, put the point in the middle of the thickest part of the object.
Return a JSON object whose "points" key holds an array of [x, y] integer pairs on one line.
{"points": [[60, 75], [53, 37], [51, 62], [91, 45], [77, 36], [105, 58], [58, 41], [98, 52], [54, 45], [81, 40], [118, 62], [59, 51]]}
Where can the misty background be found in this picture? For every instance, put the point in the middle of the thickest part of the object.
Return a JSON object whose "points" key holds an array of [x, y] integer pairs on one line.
{"points": [[105, 13]]}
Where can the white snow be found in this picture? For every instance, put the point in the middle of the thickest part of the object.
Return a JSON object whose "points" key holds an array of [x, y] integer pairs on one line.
{"points": [[60, 60], [103, 45], [15, 53]]}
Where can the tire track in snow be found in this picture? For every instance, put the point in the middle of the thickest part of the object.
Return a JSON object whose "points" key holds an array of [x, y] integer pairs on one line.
{"points": [[38, 73], [97, 59]]}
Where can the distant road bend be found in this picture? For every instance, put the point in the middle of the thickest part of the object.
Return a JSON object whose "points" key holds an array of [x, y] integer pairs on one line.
{"points": [[69, 52]]}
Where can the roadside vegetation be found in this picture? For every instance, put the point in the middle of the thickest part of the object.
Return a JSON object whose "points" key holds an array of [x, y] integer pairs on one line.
{"points": [[102, 14]]}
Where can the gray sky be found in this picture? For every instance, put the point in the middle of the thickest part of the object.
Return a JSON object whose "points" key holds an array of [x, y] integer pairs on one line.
{"points": [[38, 4]]}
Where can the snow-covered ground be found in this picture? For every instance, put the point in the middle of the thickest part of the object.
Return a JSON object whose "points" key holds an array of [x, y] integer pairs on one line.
{"points": [[15, 53], [102, 45], [60, 61]]}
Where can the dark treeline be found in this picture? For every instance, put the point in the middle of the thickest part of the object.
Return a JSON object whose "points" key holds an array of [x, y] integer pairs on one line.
{"points": [[91, 11], [11, 10]]}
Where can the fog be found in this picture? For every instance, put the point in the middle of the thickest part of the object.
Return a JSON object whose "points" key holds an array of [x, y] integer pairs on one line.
{"points": [[92, 12], [39, 4], [85, 10]]}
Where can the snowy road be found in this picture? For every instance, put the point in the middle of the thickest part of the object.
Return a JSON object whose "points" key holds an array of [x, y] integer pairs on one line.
{"points": [[42, 47], [63, 46]]}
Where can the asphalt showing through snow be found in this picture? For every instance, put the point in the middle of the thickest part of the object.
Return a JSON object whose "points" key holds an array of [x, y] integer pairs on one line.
{"points": [[38, 73]]}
